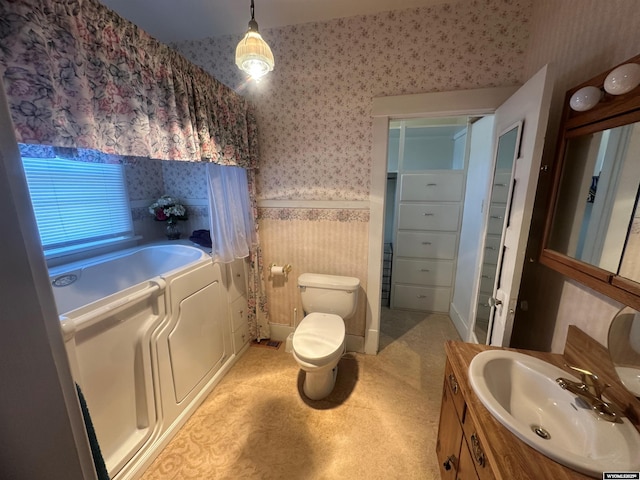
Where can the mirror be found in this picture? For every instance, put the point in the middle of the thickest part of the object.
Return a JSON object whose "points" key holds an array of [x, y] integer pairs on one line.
{"points": [[592, 230], [595, 219], [507, 152], [624, 348]]}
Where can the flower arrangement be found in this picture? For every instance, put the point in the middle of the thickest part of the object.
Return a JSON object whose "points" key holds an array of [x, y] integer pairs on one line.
{"points": [[167, 209]]}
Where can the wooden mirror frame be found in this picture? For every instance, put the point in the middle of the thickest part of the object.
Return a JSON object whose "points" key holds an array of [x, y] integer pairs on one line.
{"points": [[612, 111]]}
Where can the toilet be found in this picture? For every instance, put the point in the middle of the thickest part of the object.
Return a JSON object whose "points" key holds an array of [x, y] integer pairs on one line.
{"points": [[319, 340]]}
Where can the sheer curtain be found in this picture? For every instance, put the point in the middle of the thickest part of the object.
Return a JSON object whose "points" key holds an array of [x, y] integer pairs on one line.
{"points": [[231, 220], [234, 234]]}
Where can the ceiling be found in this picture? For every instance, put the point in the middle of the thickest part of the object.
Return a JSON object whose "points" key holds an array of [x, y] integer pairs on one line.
{"points": [[177, 20]]}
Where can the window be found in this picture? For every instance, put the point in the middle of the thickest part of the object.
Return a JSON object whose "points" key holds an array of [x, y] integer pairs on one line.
{"points": [[77, 204]]}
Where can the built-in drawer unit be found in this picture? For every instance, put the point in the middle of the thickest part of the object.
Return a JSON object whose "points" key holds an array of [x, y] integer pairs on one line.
{"points": [[500, 190], [496, 219], [426, 245], [427, 216], [428, 223], [431, 187], [491, 250], [426, 272], [414, 297]]}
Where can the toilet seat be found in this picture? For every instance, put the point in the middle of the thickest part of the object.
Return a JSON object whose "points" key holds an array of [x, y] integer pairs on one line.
{"points": [[319, 338]]}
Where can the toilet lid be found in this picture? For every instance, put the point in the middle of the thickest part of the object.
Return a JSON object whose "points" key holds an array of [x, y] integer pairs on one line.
{"points": [[318, 336]]}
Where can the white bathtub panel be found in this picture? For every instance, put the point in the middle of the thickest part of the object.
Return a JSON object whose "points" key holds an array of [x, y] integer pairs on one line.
{"points": [[114, 363], [196, 343]]}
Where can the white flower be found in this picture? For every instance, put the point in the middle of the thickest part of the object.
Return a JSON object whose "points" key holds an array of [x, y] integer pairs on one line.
{"points": [[167, 208]]}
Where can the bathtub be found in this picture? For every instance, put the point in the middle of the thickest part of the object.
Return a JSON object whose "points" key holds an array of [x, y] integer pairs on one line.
{"points": [[90, 283], [147, 335]]}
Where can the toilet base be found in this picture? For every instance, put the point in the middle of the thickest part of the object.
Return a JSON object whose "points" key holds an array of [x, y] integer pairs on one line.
{"points": [[318, 385]]}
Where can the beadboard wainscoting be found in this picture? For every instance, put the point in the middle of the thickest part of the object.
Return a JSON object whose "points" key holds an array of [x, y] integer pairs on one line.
{"points": [[325, 240]]}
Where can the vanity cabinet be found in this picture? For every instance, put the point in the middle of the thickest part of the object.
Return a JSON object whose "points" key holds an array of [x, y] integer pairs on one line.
{"points": [[459, 449], [472, 444], [428, 223], [237, 295]]}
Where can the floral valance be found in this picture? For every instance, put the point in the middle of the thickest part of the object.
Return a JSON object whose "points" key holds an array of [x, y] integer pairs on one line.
{"points": [[78, 75]]}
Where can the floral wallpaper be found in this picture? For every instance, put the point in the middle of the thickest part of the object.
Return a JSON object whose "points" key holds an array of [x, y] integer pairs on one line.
{"points": [[314, 109], [144, 180], [148, 179], [314, 116]]}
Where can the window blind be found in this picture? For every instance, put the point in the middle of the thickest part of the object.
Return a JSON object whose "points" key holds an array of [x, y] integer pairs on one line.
{"points": [[77, 203]]}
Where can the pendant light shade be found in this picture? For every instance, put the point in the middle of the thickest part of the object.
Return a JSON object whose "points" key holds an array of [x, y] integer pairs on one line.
{"points": [[253, 55]]}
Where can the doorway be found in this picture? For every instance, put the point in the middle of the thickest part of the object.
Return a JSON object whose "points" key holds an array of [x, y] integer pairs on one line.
{"points": [[478, 102], [528, 105], [427, 179]]}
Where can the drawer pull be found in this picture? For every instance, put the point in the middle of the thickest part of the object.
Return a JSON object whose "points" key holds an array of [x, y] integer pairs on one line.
{"points": [[424, 270], [428, 214], [431, 184], [486, 276], [499, 184], [421, 296], [453, 383], [490, 248], [450, 462], [478, 453], [426, 243], [497, 217]]}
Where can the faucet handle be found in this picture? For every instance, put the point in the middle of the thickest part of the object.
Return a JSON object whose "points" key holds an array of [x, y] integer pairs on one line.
{"points": [[591, 380]]}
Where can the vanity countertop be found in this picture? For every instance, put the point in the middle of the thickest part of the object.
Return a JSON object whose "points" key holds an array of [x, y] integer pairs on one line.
{"points": [[510, 457]]}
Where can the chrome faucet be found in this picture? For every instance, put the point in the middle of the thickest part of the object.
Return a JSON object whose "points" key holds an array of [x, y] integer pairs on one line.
{"points": [[590, 391]]}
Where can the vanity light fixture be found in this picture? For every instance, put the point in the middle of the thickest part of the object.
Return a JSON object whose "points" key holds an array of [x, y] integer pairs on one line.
{"points": [[585, 99], [620, 80], [253, 55], [623, 79]]}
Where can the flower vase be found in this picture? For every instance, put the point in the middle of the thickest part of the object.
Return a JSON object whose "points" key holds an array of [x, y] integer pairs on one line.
{"points": [[173, 232]]}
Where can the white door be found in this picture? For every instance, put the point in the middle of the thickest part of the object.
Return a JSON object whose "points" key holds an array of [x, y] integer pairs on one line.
{"points": [[530, 105]]}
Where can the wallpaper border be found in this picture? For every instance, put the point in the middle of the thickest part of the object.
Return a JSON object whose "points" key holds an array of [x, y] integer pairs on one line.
{"points": [[313, 214]]}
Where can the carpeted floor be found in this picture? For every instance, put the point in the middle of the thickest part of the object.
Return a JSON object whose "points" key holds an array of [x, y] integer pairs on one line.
{"points": [[380, 422]]}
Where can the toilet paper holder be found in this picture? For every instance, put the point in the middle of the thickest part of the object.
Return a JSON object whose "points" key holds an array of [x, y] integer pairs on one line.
{"points": [[276, 270]]}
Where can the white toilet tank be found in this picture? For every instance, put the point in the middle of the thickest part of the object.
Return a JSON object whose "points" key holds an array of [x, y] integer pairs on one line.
{"points": [[329, 294]]}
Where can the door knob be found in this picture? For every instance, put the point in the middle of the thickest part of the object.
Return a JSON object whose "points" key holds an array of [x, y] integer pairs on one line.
{"points": [[494, 302]]}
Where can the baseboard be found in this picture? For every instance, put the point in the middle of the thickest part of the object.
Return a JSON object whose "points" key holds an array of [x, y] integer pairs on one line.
{"points": [[280, 332], [459, 322]]}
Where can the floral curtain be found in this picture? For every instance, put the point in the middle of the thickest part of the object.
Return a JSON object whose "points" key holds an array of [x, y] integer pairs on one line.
{"points": [[258, 311], [78, 75]]}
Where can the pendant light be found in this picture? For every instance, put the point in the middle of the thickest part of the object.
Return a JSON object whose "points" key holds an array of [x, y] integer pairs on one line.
{"points": [[253, 55]]}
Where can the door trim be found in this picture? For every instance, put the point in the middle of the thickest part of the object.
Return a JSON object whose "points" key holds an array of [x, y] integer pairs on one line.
{"points": [[481, 101]]}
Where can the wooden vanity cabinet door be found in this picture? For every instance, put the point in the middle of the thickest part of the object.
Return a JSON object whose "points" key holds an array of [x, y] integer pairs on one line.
{"points": [[476, 449], [449, 437], [466, 470], [452, 382]]}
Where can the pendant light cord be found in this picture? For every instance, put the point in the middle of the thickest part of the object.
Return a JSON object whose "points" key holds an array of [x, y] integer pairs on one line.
{"points": [[252, 10]]}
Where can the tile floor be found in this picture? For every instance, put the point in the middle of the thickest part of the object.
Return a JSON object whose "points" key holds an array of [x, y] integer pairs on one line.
{"points": [[380, 422]]}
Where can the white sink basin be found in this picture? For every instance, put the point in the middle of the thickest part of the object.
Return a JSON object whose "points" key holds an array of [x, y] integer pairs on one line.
{"points": [[520, 391]]}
